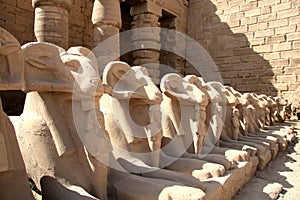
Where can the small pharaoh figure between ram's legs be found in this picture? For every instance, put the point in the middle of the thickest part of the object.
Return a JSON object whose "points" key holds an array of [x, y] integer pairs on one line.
{"points": [[241, 107], [263, 152], [132, 120], [182, 117], [213, 124]]}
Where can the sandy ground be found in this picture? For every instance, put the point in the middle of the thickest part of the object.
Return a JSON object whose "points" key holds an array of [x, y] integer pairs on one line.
{"points": [[285, 169]]}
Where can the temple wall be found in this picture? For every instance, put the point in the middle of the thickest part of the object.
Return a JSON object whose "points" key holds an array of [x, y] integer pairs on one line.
{"points": [[17, 16], [80, 24], [255, 43]]}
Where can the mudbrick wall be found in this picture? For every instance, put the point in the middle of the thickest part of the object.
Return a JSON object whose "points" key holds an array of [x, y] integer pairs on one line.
{"points": [[255, 43]]}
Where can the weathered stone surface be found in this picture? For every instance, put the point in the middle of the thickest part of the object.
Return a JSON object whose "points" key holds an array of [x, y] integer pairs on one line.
{"points": [[183, 108], [106, 20], [268, 28], [54, 130], [132, 119], [11, 61], [13, 180], [51, 21]]}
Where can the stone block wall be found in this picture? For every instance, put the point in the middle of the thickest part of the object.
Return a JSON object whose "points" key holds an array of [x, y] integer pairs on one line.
{"points": [[17, 16], [255, 43], [174, 17], [80, 24]]}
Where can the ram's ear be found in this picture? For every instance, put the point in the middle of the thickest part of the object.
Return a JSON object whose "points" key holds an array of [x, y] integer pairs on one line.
{"points": [[10, 48], [168, 84], [43, 63], [42, 56], [118, 73], [8, 43], [114, 71]]}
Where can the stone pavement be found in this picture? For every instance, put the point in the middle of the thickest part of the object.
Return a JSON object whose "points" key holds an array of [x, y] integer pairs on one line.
{"points": [[285, 169]]}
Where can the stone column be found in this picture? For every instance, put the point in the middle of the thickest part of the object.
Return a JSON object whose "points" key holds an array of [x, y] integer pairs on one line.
{"points": [[51, 21], [106, 19], [107, 22], [146, 43]]}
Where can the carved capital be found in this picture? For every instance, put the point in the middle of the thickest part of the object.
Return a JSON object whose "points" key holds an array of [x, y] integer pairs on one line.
{"points": [[57, 3], [107, 12]]}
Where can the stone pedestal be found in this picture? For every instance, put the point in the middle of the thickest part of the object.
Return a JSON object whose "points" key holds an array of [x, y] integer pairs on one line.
{"points": [[51, 21]]}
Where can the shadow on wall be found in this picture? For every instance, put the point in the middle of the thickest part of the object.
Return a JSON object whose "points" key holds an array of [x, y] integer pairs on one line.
{"points": [[240, 66]]}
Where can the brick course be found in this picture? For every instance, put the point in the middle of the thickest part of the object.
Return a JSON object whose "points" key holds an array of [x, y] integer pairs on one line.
{"points": [[17, 17], [243, 37], [269, 62]]}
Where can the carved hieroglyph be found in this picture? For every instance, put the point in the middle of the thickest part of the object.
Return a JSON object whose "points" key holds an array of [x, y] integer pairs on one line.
{"points": [[54, 130], [13, 180]]}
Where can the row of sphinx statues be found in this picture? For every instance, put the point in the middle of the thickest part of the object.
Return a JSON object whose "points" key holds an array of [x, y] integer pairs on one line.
{"points": [[123, 137]]}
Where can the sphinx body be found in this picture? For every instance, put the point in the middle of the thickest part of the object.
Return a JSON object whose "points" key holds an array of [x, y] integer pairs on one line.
{"points": [[227, 135], [54, 130], [183, 110], [13, 180], [132, 120], [213, 125], [258, 118]]}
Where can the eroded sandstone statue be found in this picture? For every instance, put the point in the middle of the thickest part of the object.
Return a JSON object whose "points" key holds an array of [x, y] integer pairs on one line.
{"points": [[204, 122], [263, 151], [13, 181], [184, 114], [259, 118], [132, 120], [281, 103], [215, 124], [61, 152]]}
